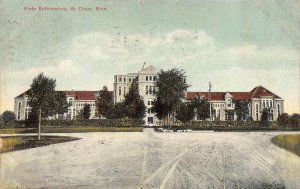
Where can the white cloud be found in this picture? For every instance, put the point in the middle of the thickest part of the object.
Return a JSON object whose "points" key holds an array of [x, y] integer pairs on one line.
{"points": [[93, 59], [64, 67]]}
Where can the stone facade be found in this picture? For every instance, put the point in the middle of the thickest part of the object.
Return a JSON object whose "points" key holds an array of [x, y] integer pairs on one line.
{"points": [[145, 79], [259, 98], [76, 99]]}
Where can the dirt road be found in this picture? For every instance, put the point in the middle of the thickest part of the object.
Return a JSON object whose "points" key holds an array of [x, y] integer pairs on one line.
{"points": [[154, 160]]}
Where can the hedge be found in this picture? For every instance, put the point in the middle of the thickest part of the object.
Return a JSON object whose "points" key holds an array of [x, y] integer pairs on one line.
{"points": [[80, 123], [229, 125]]}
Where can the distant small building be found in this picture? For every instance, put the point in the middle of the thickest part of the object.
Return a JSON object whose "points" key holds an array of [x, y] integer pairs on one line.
{"points": [[259, 98], [76, 100]]}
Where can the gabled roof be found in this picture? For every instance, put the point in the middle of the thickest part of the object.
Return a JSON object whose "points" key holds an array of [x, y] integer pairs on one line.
{"points": [[24, 93], [260, 91], [150, 69]]}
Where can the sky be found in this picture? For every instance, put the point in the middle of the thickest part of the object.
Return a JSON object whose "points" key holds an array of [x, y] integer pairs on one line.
{"points": [[237, 45]]}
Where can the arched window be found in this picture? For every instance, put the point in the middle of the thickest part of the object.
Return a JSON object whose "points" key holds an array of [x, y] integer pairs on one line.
{"points": [[271, 115], [71, 101], [256, 111], [19, 110], [229, 101]]}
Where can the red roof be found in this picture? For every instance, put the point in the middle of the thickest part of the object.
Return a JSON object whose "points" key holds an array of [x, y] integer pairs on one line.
{"points": [[214, 95], [240, 95], [257, 92], [82, 95], [260, 91], [78, 95]]}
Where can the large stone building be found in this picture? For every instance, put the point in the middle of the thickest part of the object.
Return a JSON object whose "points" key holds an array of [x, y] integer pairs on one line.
{"points": [[259, 98], [76, 100], [145, 79]]}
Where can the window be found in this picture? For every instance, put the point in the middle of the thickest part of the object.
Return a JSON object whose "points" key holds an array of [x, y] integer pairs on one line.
{"points": [[71, 100], [271, 118], [19, 110], [271, 103], [154, 90], [26, 113], [150, 90], [149, 102], [267, 103], [149, 110], [124, 79], [256, 111], [229, 102], [146, 78], [119, 91], [120, 79], [124, 91], [152, 102], [150, 78], [129, 79], [154, 78], [264, 103], [278, 110], [147, 89]]}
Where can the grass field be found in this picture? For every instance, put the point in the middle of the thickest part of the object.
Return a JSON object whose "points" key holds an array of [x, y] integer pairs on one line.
{"points": [[71, 130], [290, 142], [8, 144]]}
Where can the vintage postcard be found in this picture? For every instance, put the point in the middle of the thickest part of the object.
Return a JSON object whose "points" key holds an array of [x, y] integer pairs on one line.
{"points": [[149, 94]]}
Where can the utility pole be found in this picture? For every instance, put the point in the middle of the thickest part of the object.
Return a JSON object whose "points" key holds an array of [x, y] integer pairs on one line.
{"points": [[209, 97]]}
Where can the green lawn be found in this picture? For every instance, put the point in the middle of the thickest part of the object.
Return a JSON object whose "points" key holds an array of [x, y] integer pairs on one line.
{"points": [[290, 142], [14, 143], [71, 130]]}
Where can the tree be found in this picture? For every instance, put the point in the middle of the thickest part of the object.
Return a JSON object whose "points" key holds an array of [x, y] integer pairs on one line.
{"points": [[60, 103], [241, 109], [171, 90], [295, 120], [202, 108], [229, 114], [44, 100], [103, 102], [86, 111], [283, 119], [8, 117], [265, 117], [133, 103], [185, 112], [116, 111]]}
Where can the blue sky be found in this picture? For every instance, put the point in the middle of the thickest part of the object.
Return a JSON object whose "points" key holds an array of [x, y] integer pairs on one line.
{"points": [[236, 45]]}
